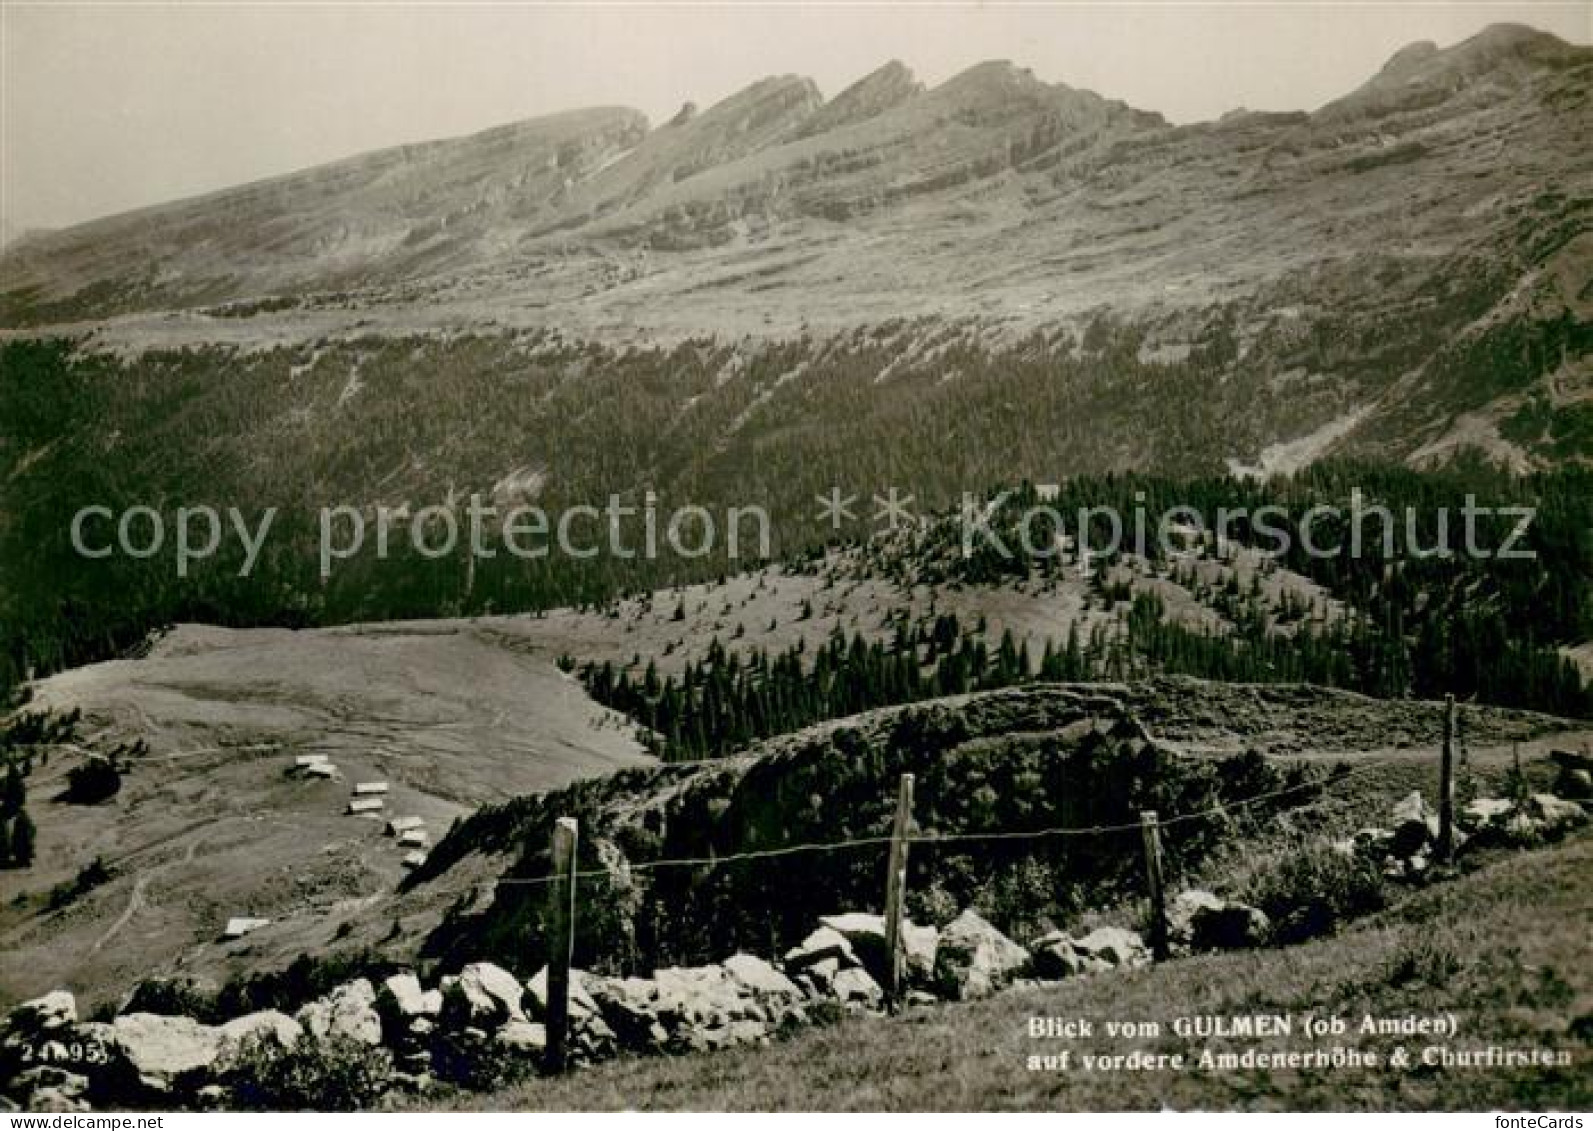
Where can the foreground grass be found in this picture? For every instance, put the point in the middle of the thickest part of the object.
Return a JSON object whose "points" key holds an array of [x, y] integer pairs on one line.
{"points": [[1505, 948]]}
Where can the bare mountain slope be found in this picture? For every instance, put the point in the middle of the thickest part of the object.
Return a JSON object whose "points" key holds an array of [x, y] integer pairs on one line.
{"points": [[1408, 266], [995, 195]]}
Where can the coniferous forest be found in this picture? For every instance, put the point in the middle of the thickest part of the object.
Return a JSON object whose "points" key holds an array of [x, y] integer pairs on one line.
{"points": [[176, 429]]}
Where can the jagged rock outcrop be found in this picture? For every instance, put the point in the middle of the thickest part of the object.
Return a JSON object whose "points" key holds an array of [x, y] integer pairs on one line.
{"points": [[868, 97]]}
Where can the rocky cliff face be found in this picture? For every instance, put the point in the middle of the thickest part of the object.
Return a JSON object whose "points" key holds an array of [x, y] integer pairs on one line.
{"points": [[869, 97], [1000, 169], [1420, 245]]}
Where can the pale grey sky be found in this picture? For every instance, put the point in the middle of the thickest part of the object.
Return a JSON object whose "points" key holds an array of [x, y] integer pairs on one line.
{"points": [[110, 106]]}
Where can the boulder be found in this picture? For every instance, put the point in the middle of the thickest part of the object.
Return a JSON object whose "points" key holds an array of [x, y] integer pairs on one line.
{"points": [[529, 1038], [1554, 815], [919, 947], [1374, 842], [707, 995], [268, 1023], [50, 1088], [635, 1010], [866, 934], [1576, 785], [854, 986], [818, 979], [55, 1010], [714, 1038], [401, 999], [748, 1033], [759, 980], [59, 1100], [1052, 956], [1575, 779], [823, 944], [212, 1097], [1415, 826], [1200, 921], [484, 997], [679, 1009], [974, 959], [1486, 812], [1113, 946], [1572, 760], [536, 995], [268, 1026], [162, 1050], [348, 1011]]}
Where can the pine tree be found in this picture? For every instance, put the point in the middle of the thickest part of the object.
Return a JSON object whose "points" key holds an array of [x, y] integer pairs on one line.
{"points": [[23, 835], [14, 793]]}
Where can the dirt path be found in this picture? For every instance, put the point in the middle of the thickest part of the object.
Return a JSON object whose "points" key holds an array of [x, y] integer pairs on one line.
{"points": [[135, 899]]}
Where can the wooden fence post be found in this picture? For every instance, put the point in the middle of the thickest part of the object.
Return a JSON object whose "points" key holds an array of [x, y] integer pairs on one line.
{"points": [[896, 889], [560, 941], [1149, 826], [1446, 786]]}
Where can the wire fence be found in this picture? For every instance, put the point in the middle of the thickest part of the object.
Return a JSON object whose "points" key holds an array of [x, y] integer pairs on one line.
{"points": [[939, 839]]}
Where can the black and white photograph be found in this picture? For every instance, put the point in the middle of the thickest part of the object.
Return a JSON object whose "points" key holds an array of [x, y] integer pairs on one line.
{"points": [[795, 557]]}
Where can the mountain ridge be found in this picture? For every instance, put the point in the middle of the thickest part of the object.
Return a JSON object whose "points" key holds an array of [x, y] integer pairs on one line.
{"points": [[1401, 273]]}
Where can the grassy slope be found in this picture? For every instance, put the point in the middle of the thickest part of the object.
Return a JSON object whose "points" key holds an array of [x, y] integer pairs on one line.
{"points": [[209, 825], [1505, 948]]}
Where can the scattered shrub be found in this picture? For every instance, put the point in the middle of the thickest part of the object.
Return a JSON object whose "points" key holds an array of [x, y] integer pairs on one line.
{"points": [[480, 1064], [175, 997], [88, 877], [93, 781], [1423, 961], [1310, 889], [333, 1073]]}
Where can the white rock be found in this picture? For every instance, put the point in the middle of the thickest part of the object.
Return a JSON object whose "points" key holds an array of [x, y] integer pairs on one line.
{"points": [[401, 996], [536, 999], [485, 997], [1117, 946], [523, 1036], [163, 1048], [268, 1026], [857, 987], [760, 979], [348, 1011]]}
